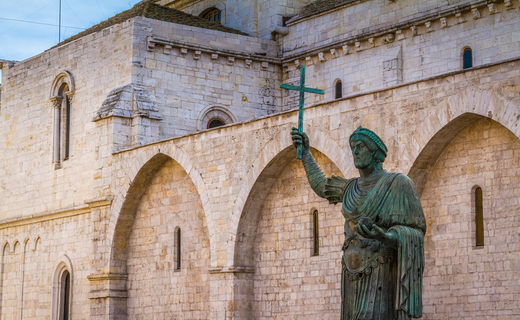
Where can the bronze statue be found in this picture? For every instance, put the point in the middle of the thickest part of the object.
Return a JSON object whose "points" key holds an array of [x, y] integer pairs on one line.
{"points": [[383, 253]]}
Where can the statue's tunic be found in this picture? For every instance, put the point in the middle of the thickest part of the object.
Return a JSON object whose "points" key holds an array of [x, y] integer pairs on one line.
{"points": [[379, 282]]}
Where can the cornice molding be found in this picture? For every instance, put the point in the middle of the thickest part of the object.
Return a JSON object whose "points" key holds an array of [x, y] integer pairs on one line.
{"points": [[231, 270], [45, 216], [365, 40]]}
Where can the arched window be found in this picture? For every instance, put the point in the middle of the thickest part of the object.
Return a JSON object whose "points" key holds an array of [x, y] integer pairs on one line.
{"points": [[62, 291], [467, 57], [215, 122], [214, 116], [65, 296], [316, 233], [479, 217], [212, 14], [61, 97], [338, 89], [178, 243]]}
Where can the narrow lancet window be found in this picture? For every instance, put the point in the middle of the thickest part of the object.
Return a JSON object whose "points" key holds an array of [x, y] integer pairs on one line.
{"points": [[479, 217], [339, 89], [65, 296], [178, 259], [468, 58], [316, 232]]}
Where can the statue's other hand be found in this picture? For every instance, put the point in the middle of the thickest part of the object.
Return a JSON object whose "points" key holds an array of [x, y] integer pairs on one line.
{"points": [[300, 138], [388, 238]]}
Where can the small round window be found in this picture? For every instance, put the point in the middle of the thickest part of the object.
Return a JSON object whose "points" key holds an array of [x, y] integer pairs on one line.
{"points": [[213, 123]]}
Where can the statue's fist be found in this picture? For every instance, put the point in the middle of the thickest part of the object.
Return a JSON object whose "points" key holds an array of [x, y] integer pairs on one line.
{"points": [[299, 138]]}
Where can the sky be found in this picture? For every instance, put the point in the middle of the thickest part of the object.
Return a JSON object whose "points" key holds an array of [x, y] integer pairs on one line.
{"points": [[22, 40]]}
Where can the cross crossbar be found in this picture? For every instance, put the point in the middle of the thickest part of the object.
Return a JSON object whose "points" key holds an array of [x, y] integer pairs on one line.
{"points": [[302, 89]]}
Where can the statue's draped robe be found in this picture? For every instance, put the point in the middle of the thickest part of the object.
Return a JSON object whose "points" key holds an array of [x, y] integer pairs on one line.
{"points": [[379, 282]]}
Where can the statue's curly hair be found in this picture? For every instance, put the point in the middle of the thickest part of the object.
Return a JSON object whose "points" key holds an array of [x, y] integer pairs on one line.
{"points": [[378, 154]]}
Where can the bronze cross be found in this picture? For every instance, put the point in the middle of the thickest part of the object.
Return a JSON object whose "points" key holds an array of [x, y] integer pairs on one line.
{"points": [[302, 90]]}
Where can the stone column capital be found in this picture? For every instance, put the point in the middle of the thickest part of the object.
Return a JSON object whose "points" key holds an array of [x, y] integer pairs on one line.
{"points": [[56, 101]]}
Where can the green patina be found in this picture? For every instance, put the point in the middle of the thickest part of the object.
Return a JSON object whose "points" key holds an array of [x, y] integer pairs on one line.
{"points": [[383, 252], [302, 90]]}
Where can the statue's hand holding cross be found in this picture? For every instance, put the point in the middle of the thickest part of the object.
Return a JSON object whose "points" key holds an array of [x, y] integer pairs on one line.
{"points": [[302, 90]]}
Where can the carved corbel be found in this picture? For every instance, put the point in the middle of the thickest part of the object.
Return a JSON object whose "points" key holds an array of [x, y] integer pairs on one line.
{"points": [[444, 23], [214, 56], [149, 44], [265, 65], [414, 30], [248, 63], [345, 49], [184, 51], [196, 55], [388, 38], [333, 53], [399, 35], [508, 4], [476, 13], [168, 49], [371, 43], [357, 44], [231, 61], [492, 8], [429, 27], [297, 64], [321, 57], [460, 17]]}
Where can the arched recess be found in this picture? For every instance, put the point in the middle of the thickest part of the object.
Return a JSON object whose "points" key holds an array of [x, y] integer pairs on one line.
{"points": [[214, 112], [448, 119], [263, 171], [128, 198]]}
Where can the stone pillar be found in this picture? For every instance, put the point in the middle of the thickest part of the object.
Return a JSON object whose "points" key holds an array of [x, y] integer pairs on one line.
{"points": [[231, 291], [108, 294]]}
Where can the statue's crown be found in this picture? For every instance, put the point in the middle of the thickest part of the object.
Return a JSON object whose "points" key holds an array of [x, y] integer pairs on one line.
{"points": [[372, 136]]}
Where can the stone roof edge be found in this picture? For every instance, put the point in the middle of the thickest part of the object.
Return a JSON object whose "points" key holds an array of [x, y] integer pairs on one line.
{"points": [[395, 28], [447, 74], [152, 41], [297, 19]]}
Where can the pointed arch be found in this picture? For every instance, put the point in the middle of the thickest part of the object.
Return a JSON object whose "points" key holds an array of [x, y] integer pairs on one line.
{"points": [[266, 167], [448, 119], [146, 163]]}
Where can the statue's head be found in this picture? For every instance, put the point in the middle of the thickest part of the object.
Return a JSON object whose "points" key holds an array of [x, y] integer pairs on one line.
{"points": [[367, 148]]}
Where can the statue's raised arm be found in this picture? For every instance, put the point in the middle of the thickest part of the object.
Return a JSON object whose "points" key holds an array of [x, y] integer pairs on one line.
{"points": [[383, 252]]}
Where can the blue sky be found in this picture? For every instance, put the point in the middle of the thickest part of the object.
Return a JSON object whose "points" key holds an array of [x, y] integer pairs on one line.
{"points": [[22, 40]]}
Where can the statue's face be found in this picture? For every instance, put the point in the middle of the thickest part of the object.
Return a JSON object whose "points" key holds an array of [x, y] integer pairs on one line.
{"points": [[363, 157]]}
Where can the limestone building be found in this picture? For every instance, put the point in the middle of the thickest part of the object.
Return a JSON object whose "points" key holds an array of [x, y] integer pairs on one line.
{"points": [[147, 171]]}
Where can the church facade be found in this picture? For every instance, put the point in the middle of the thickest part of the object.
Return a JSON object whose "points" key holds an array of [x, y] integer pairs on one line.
{"points": [[147, 168]]}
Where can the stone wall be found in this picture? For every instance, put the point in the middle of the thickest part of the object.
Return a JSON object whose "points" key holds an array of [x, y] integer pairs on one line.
{"points": [[229, 71], [254, 17], [461, 280], [155, 285], [377, 44], [29, 183]]}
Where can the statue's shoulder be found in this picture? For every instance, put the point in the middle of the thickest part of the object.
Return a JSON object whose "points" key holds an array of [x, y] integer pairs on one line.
{"points": [[399, 177]]}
